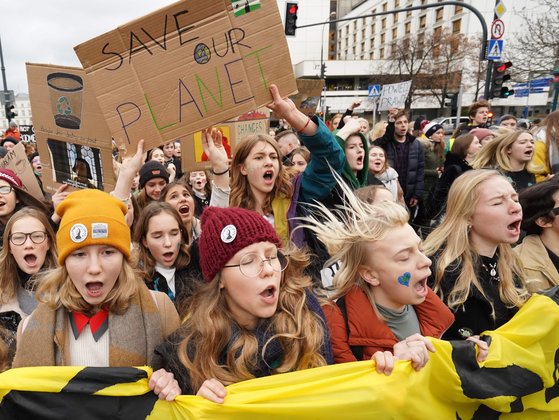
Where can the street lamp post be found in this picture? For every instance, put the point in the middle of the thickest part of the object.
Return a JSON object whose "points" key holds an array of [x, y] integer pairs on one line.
{"points": [[322, 72]]}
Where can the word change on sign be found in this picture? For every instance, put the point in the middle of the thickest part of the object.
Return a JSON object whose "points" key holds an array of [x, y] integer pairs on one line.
{"points": [[185, 67]]}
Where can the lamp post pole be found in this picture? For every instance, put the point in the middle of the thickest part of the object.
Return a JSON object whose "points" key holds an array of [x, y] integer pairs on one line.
{"points": [[322, 72]]}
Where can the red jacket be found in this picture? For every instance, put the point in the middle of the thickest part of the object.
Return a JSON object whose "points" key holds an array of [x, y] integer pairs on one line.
{"points": [[368, 331]]}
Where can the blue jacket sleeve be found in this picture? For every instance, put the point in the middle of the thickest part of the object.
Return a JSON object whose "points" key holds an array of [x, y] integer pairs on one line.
{"points": [[326, 156]]}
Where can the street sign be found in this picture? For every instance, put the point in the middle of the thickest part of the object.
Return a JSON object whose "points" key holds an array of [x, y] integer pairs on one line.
{"points": [[500, 9], [495, 49], [374, 91], [497, 29]]}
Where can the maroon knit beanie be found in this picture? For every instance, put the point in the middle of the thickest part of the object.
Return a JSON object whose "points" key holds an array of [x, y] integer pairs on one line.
{"points": [[225, 231]]}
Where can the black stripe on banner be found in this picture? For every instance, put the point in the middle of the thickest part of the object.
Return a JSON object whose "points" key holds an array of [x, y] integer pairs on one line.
{"points": [[90, 380]]}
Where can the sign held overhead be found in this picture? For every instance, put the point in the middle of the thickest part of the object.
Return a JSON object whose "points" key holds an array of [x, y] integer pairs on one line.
{"points": [[185, 67]]}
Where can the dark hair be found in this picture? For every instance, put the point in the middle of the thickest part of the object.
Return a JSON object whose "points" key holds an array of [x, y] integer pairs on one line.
{"points": [[477, 105], [461, 145], [537, 201]]}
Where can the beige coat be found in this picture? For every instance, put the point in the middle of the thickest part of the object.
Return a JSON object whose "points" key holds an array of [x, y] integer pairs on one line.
{"points": [[540, 272]]}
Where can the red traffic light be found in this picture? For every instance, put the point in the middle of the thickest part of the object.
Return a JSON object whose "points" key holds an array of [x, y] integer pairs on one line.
{"points": [[293, 9], [503, 67]]}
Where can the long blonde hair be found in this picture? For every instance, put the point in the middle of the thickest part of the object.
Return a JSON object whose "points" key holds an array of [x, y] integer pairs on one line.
{"points": [[346, 231], [450, 241], [56, 290], [8, 266], [209, 327], [495, 153], [241, 191]]}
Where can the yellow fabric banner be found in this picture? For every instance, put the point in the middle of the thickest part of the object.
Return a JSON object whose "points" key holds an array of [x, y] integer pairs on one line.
{"points": [[520, 379]]}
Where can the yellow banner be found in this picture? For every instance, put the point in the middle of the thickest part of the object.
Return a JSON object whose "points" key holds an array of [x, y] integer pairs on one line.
{"points": [[519, 379]]}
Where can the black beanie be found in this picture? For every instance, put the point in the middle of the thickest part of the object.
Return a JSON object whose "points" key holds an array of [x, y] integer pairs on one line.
{"points": [[151, 170]]}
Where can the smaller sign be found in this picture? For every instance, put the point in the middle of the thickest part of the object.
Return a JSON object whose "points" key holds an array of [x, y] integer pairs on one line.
{"points": [[374, 91], [495, 49], [394, 95], [500, 9], [497, 29]]}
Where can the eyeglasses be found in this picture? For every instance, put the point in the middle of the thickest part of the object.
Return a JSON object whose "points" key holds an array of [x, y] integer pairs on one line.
{"points": [[5, 189], [19, 238], [251, 265]]}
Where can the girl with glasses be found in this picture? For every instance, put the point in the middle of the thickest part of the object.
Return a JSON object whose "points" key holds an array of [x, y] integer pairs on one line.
{"points": [[253, 316], [13, 198], [29, 246]]}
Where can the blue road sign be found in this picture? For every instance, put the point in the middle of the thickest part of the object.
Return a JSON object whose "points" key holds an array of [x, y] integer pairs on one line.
{"points": [[495, 49], [374, 91]]}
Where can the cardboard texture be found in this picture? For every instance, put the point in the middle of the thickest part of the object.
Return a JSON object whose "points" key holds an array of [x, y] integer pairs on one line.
{"points": [[16, 160], [72, 137], [394, 95], [252, 122], [187, 66], [309, 94]]}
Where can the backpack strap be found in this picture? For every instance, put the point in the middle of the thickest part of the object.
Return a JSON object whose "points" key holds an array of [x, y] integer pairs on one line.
{"points": [[356, 350]]}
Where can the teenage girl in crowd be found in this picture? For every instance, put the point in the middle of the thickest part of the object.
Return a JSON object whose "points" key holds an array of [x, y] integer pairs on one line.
{"points": [[94, 310], [162, 252], [379, 169], [458, 161], [300, 158], [539, 251], [383, 302], [511, 153], [254, 316], [356, 148], [546, 158], [199, 181], [260, 182], [29, 246], [14, 198], [153, 178], [475, 271]]}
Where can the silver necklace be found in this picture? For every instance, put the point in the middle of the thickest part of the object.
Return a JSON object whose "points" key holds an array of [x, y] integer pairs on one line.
{"points": [[492, 270]]}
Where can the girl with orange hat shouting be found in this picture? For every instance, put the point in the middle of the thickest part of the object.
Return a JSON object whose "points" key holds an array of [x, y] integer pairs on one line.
{"points": [[94, 310]]}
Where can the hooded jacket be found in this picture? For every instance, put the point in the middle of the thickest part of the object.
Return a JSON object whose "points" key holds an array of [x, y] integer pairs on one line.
{"points": [[347, 173]]}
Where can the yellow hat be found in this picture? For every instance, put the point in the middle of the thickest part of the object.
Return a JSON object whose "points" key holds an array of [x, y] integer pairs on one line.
{"points": [[91, 217]]}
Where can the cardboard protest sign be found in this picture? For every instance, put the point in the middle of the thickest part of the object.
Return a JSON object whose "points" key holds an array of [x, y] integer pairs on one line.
{"points": [[394, 95], [187, 66], [16, 160], [253, 122], [73, 139], [309, 94]]}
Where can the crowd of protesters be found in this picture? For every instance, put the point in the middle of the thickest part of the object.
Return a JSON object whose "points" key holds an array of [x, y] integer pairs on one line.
{"points": [[312, 246]]}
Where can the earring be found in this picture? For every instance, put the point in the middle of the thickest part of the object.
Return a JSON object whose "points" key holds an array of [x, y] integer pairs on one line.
{"points": [[469, 228]]}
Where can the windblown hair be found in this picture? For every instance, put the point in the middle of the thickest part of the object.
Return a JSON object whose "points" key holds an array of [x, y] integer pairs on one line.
{"points": [[537, 202], [368, 194], [56, 290], [8, 265], [209, 326], [346, 231], [241, 191], [144, 260], [451, 243], [495, 153]]}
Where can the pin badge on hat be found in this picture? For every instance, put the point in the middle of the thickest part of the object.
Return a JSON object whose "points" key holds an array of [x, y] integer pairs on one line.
{"points": [[78, 233], [228, 234]]}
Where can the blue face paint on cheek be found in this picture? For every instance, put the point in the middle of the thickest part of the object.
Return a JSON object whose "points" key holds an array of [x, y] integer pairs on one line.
{"points": [[404, 279]]}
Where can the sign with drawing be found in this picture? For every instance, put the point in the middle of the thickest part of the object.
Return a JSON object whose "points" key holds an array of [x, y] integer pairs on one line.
{"points": [[16, 160], [187, 66], [73, 140]]}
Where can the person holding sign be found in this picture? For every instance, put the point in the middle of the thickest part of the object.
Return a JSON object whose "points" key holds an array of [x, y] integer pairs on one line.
{"points": [[260, 182], [254, 315]]}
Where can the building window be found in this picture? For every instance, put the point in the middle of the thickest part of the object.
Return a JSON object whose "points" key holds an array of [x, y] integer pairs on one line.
{"points": [[382, 38], [422, 21], [423, 2], [420, 45], [385, 7], [408, 13], [396, 17], [373, 28], [439, 14], [408, 27], [456, 26], [383, 24], [458, 9], [372, 55], [362, 48], [396, 3], [394, 33], [382, 54]]}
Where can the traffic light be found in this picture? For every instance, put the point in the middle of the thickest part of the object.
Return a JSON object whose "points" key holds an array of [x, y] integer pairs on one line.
{"points": [[291, 10], [451, 100], [500, 76], [10, 113], [322, 70]]}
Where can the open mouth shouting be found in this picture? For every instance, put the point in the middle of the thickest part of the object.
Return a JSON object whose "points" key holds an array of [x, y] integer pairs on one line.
{"points": [[94, 289], [421, 287], [269, 176], [270, 295], [184, 210], [514, 228]]}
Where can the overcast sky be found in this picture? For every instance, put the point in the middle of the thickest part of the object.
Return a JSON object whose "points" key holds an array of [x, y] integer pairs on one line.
{"points": [[46, 31]]}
